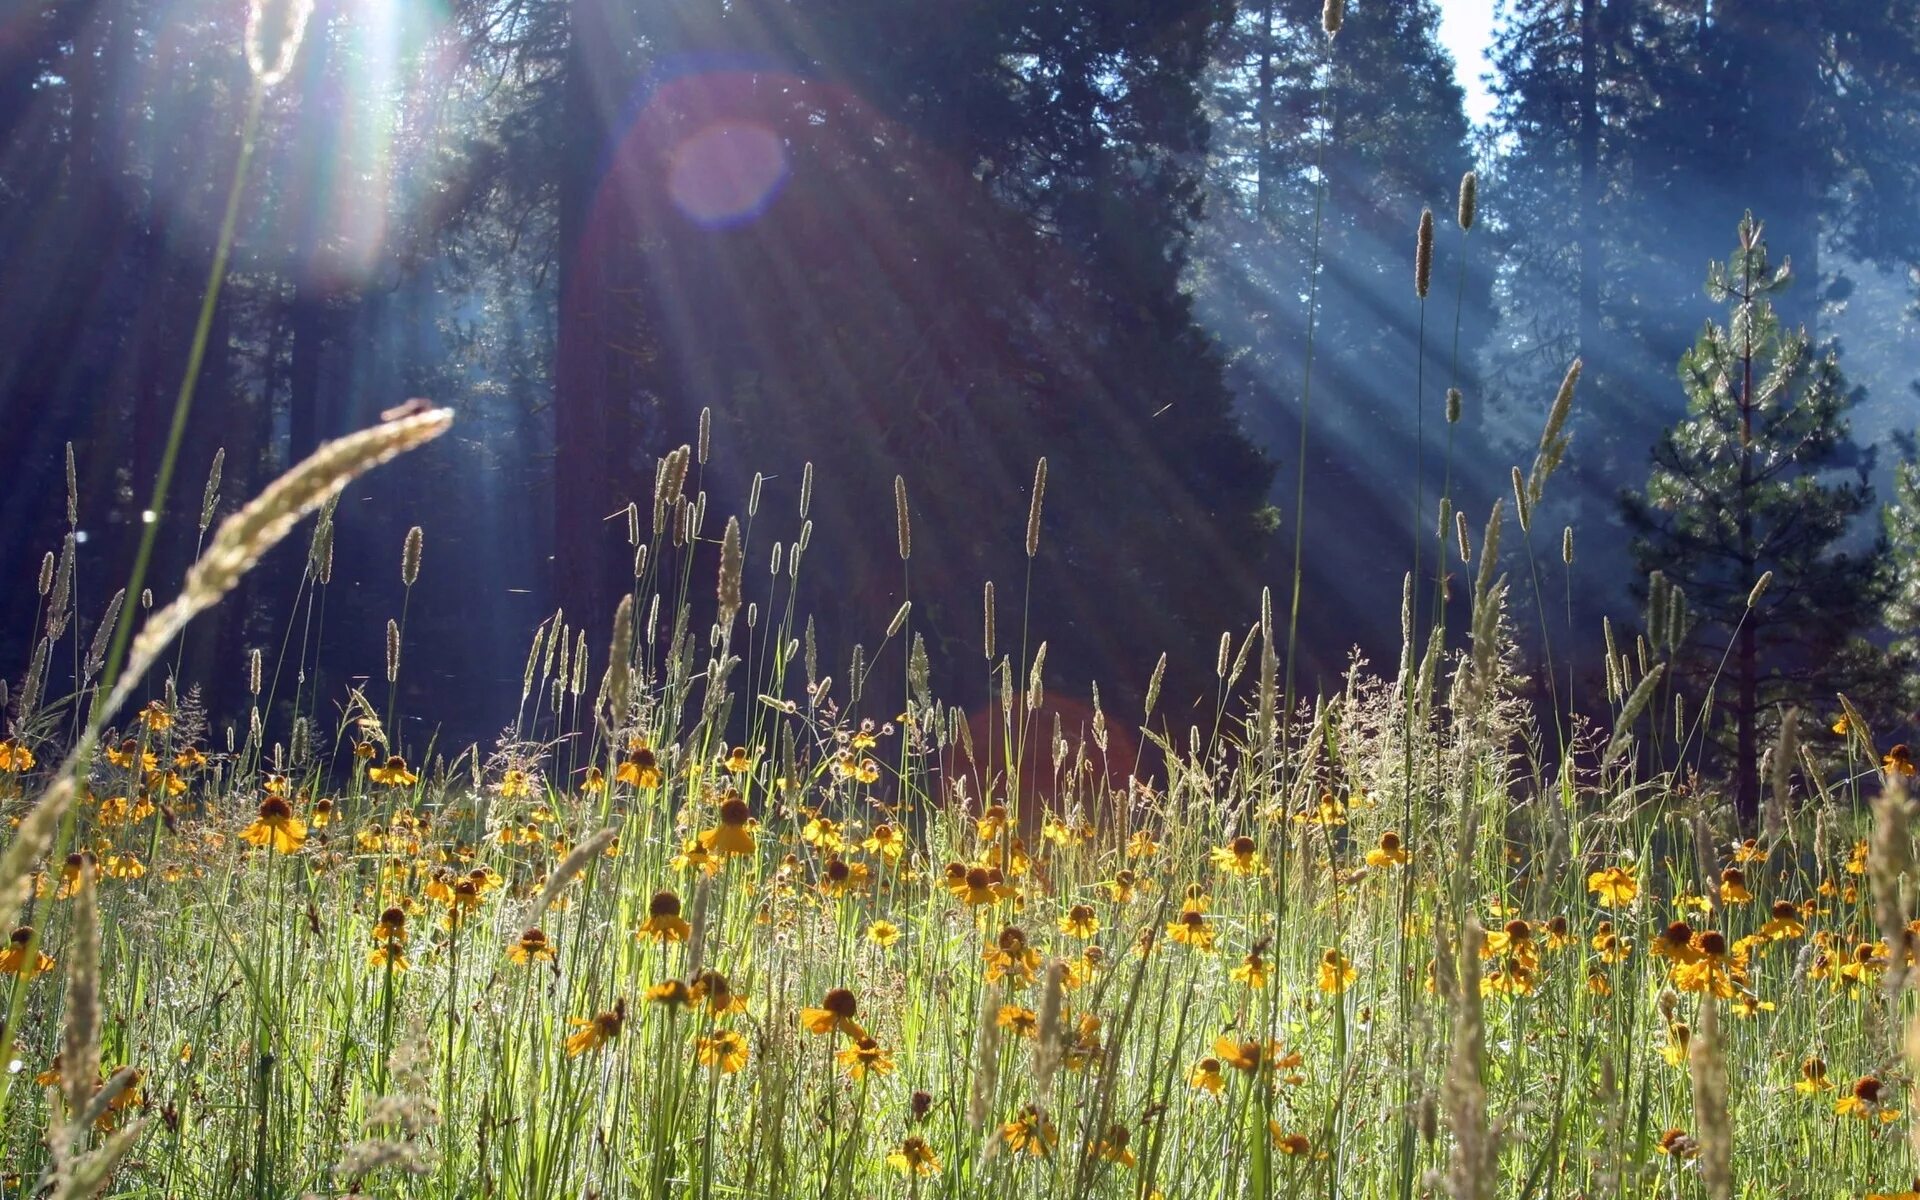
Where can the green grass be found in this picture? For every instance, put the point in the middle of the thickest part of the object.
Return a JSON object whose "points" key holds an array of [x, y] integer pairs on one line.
{"points": [[278, 1057]]}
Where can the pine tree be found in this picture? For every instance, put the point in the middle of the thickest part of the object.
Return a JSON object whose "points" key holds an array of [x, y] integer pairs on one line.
{"points": [[1740, 492], [1902, 521]]}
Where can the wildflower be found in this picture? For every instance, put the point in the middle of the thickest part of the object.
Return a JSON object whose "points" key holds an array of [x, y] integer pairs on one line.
{"points": [[724, 1050], [128, 753], [1024, 1022], [840, 877], [885, 843], [1813, 1077], [1056, 831], [593, 780], [1082, 970], [1749, 851], [533, 947], [1733, 887], [664, 922], [865, 1055], [1675, 943], [1010, 955], [1192, 930], [837, 1010], [1867, 961], [393, 773], [1712, 970], [1615, 886], [672, 995], [739, 762], [1867, 1101], [1514, 940], [1389, 853], [694, 856], [595, 1032], [731, 837], [1080, 922], [1783, 922], [867, 772], [1252, 971], [1121, 888], [981, 885], [1142, 845], [1679, 1039], [1336, 972], [640, 767], [516, 783], [14, 756], [1328, 812], [1675, 1143], [1030, 1133], [390, 940], [914, 1157], [713, 988], [1293, 1145], [275, 826], [1857, 859], [156, 717], [883, 933], [1842, 726], [1206, 1076], [14, 960], [1239, 857], [1113, 1147], [125, 865], [1898, 761], [1251, 1056]]}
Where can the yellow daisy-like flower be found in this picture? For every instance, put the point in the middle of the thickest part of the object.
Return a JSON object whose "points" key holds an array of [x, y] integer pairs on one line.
{"points": [[591, 1033], [1336, 972], [1239, 857], [885, 843], [1866, 1100], [1389, 853], [1813, 1077], [1030, 1133], [1898, 761], [739, 761], [14, 756], [1206, 1076], [515, 784], [1615, 886], [640, 768], [1254, 971], [863, 1057], [731, 837], [1192, 930], [15, 960], [533, 947], [914, 1157], [1023, 1022], [883, 933], [1113, 1147], [393, 773], [1142, 845], [275, 826], [1733, 887], [1080, 922], [664, 922], [836, 1011], [724, 1050]]}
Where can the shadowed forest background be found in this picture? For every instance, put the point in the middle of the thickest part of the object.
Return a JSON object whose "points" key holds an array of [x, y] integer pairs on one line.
{"points": [[939, 241]]}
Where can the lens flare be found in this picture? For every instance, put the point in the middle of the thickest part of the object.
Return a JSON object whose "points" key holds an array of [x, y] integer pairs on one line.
{"points": [[726, 172]]}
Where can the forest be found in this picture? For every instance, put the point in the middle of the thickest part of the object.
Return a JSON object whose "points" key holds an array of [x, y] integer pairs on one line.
{"points": [[1395, 577]]}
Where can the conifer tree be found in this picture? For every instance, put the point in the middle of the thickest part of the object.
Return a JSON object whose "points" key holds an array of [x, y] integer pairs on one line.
{"points": [[1741, 491]]}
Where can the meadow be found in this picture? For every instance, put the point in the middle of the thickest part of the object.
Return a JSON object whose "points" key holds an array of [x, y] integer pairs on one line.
{"points": [[704, 922]]}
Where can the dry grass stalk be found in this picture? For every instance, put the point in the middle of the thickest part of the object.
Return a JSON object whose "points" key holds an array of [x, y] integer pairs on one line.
{"points": [[575, 862], [248, 534], [1712, 1123], [1471, 1171]]}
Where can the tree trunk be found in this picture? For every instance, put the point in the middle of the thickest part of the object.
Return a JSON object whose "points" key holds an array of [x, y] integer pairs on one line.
{"points": [[1589, 149], [584, 582]]}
